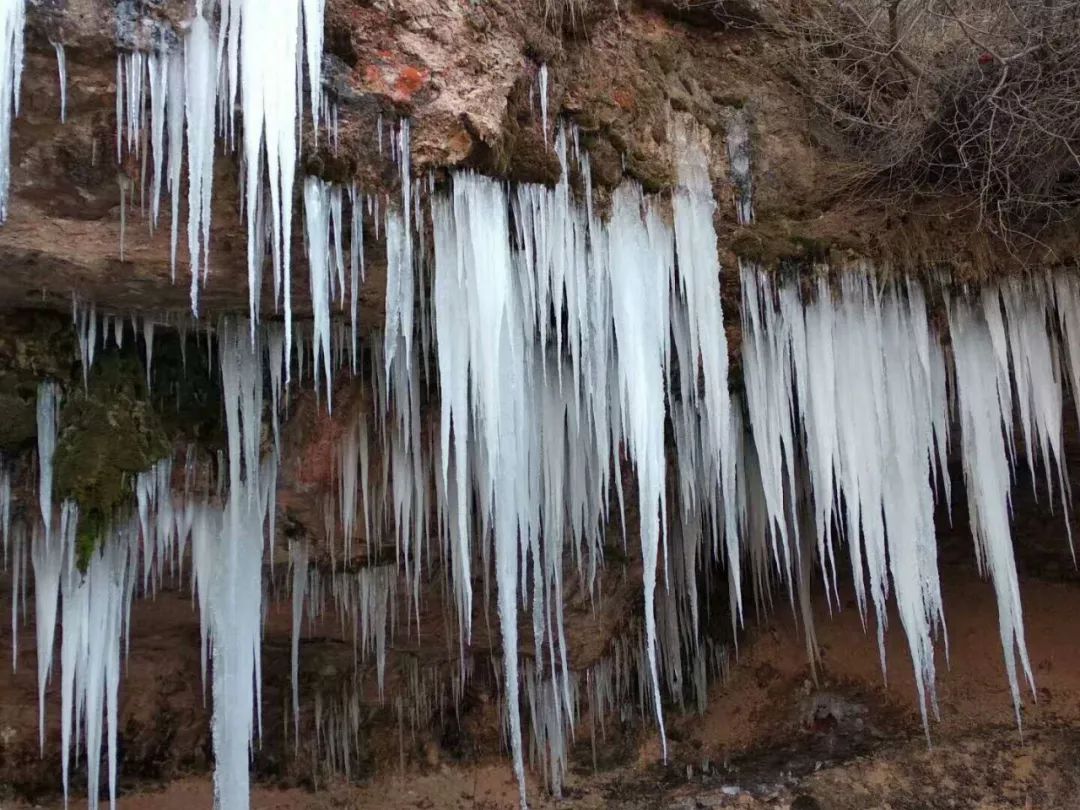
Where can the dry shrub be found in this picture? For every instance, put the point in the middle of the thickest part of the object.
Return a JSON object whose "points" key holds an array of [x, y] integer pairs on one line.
{"points": [[977, 100]]}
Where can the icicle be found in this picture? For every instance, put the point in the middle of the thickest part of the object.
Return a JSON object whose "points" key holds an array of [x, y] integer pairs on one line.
{"points": [[85, 319], [200, 79], [699, 282], [18, 588], [356, 264], [766, 354], [95, 605], [399, 264], [61, 68], [175, 104], [228, 565], [885, 413], [119, 108], [12, 23], [48, 417], [159, 94], [986, 473], [640, 264], [268, 48], [337, 231], [1037, 381], [47, 555], [542, 79], [299, 587], [148, 340], [314, 12], [317, 219], [475, 266], [5, 507]]}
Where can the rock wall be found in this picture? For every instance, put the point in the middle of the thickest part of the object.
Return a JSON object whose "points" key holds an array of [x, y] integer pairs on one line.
{"points": [[466, 75]]}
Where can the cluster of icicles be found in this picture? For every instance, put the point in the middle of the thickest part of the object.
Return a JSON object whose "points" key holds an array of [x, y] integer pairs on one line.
{"points": [[225, 531], [564, 346], [233, 57]]}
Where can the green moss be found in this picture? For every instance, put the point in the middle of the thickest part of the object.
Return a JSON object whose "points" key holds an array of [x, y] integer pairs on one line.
{"points": [[18, 400], [108, 433], [37, 342], [113, 429], [92, 526]]}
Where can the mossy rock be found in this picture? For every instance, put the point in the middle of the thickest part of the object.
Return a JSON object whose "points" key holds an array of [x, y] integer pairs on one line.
{"points": [[93, 526], [34, 345], [771, 246], [18, 403], [37, 343], [108, 433]]}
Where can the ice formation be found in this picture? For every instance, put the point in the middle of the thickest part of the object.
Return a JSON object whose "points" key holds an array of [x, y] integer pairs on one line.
{"points": [[983, 398], [200, 81], [61, 69], [842, 379], [542, 82], [317, 195], [479, 301], [48, 416], [881, 414], [227, 552], [12, 23], [705, 343], [95, 610], [232, 52], [565, 345]]}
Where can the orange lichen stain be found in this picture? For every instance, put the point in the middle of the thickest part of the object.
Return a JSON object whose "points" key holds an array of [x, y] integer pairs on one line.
{"points": [[409, 80], [624, 98], [398, 81]]}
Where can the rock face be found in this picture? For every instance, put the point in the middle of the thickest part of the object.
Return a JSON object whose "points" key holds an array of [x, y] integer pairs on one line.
{"points": [[466, 75]]}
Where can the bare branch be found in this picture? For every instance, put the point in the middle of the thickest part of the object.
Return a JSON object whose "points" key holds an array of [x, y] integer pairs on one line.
{"points": [[978, 99]]}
